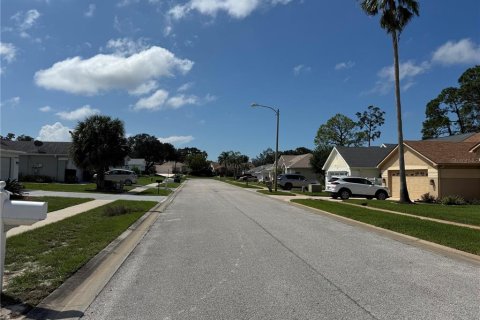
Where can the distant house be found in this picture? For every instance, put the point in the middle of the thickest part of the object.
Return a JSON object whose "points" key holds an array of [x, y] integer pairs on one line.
{"points": [[217, 168], [130, 164], [297, 164], [356, 161], [170, 167], [440, 167], [263, 173], [47, 159], [9, 162]]}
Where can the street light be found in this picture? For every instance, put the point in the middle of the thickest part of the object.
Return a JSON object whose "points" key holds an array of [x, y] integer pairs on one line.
{"points": [[277, 113]]}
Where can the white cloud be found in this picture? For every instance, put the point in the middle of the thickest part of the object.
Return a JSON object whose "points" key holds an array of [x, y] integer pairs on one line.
{"points": [[45, 109], [12, 102], [238, 9], [464, 51], [7, 51], [126, 46], [182, 100], [54, 132], [91, 10], [185, 87], [297, 70], [26, 21], [155, 102], [177, 139], [78, 114], [344, 65], [407, 70], [144, 88], [104, 72]]}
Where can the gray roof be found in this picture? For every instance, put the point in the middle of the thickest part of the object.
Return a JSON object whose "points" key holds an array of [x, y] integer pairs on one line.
{"points": [[364, 157], [59, 148], [454, 138]]}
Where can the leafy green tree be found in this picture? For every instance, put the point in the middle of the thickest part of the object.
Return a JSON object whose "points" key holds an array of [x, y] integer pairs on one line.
{"points": [[197, 162], [339, 130], [395, 15], [145, 146], [319, 157], [9, 137], [24, 137], [296, 152], [99, 142], [455, 110], [369, 121], [267, 156]]}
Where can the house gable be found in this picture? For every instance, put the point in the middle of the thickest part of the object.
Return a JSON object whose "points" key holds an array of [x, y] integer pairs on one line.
{"points": [[335, 162]]}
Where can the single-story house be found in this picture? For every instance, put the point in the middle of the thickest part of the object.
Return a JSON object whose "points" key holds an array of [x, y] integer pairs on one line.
{"points": [[297, 164], [49, 159], [130, 164], [439, 167], [263, 173], [356, 161], [170, 167], [9, 162]]}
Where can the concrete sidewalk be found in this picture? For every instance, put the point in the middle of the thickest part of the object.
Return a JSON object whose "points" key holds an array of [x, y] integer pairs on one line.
{"points": [[59, 215]]}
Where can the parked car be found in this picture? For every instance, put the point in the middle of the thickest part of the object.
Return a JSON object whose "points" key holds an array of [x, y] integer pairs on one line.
{"points": [[247, 177], [346, 187], [128, 177], [289, 181]]}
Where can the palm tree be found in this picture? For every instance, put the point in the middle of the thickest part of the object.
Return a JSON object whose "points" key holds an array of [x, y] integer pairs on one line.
{"points": [[224, 159], [395, 16]]}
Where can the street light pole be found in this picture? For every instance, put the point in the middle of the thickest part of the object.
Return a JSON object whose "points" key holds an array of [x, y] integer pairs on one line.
{"points": [[277, 113]]}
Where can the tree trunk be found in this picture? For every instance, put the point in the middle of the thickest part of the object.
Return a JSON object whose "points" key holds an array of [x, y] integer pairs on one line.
{"points": [[404, 198]]}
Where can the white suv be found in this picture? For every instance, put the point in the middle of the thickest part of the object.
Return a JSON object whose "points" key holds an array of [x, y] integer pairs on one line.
{"points": [[346, 187], [120, 175]]}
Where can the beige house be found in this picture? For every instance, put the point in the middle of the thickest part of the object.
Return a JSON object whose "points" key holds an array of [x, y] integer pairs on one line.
{"points": [[299, 164], [438, 167]]}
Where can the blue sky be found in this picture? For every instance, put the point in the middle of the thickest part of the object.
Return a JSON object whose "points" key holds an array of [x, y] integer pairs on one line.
{"points": [[187, 71]]}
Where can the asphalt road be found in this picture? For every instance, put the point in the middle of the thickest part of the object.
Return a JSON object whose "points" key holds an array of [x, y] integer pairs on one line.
{"points": [[221, 252]]}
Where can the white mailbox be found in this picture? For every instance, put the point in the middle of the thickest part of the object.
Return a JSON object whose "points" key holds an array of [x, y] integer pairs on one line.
{"points": [[16, 213]]}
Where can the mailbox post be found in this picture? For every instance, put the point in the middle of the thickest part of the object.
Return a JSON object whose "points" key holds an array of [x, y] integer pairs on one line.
{"points": [[16, 213]]}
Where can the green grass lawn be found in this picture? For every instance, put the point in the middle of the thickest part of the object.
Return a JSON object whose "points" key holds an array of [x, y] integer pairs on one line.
{"points": [[278, 193], [155, 192], [67, 187], [468, 214], [42, 259], [313, 194], [144, 180], [58, 203], [460, 238]]}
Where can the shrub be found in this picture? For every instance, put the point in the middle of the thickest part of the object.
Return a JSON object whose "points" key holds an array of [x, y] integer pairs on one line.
{"points": [[428, 198], [453, 200], [112, 211], [15, 188]]}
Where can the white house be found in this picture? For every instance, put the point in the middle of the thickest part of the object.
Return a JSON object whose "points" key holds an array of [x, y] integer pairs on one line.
{"points": [[356, 161], [130, 164], [9, 163], [263, 173]]}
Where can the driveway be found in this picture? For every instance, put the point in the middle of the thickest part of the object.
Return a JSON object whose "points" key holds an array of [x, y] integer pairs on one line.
{"points": [[220, 252]]}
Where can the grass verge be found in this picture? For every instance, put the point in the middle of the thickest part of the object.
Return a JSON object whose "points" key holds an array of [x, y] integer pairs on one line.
{"points": [[460, 238], [155, 192], [278, 193], [65, 187], [39, 261], [313, 194], [468, 214], [240, 184], [58, 203]]}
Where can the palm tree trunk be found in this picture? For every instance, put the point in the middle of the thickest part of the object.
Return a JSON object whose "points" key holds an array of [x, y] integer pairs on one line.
{"points": [[404, 198]]}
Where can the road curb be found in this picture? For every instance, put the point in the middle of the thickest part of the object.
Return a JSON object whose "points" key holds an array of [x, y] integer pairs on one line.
{"points": [[431, 246], [74, 296]]}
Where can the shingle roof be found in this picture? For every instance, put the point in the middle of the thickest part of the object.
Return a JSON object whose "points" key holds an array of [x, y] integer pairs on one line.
{"points": [[364, 157], [464, 137], [445, 152], [297, 161], [48, 147]]}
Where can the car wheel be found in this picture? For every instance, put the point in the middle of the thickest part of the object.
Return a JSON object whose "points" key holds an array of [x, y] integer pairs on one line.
{"points": [[288, 186], [128, 182], [382, 195], [345, 194]]}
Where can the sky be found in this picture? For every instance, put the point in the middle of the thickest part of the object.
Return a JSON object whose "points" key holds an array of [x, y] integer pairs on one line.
{"points": [[187, 71]]}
